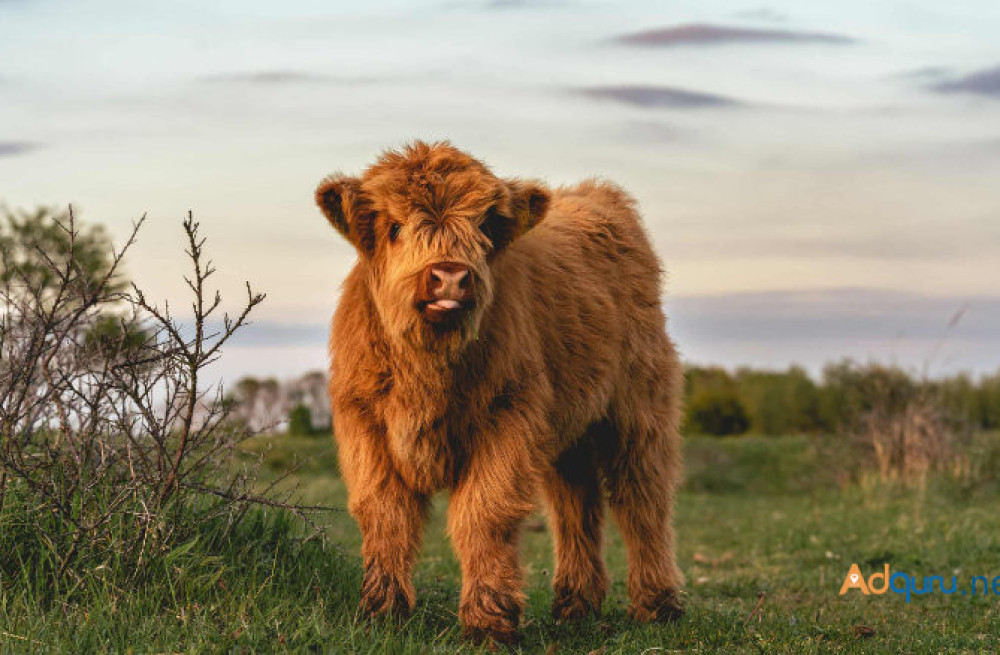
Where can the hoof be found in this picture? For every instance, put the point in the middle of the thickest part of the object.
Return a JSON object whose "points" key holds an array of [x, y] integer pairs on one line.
{"points": [[662, 607], [571, 606], [384, 596], [490, 617]]}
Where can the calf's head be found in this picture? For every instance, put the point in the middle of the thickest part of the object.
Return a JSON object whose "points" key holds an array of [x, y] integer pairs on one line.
{"points": [[429, 222]]}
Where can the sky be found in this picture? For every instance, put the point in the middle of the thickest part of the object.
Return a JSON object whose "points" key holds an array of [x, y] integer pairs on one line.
{"points": [[822, 179]]}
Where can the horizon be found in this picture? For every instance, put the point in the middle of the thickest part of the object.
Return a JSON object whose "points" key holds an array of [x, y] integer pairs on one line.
{"points": [[819, 181], [941, 341]]}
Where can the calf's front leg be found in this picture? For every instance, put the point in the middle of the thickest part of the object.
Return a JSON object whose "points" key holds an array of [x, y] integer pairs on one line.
{"points": [[391, 526], [493, 496], [389, 513]]}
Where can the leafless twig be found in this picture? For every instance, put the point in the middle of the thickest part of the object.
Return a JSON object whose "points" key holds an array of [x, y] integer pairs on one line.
{"points": [[103, 419]]}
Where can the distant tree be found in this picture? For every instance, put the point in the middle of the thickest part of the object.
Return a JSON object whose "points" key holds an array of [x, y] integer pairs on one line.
{"points": [[311, 390], [783, 402], [262, 404], [988, 401], [959, 400], [779, 402], [713, 405], [717, 412], [35, 245], [111, 336], [42, 256], [702, 377], [300, 421], [851, 391], [258, 403]]}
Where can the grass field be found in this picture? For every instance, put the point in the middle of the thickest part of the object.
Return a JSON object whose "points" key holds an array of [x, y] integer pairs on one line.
{"points": [[767, 532]]}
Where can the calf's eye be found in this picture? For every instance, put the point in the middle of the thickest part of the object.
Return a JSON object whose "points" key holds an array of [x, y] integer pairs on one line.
{"points": [[497, 229], [394, 231]]}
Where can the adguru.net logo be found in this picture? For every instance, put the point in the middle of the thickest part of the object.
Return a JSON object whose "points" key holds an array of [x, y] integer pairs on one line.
{"points": [[904, 584]]}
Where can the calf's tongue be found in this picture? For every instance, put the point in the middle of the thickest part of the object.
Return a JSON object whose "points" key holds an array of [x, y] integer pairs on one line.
{"points": [[446, 303]]}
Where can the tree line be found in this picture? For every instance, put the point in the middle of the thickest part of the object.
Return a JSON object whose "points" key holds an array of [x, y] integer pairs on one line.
{"points": [[769, 402]]}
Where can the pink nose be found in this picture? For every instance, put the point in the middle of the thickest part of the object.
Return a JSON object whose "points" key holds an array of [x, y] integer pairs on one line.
{"points": [[449, 280]]}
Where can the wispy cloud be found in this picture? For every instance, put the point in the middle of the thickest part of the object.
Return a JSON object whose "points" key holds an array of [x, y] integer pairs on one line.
{"points": [[654, 133], [524, 4], [704, 34], [887, 247], [765, 14], [658, 97], [983, 82], [933, 334], [982, 152], [839, 312], [269, 333], [926, 73], [280, 77], [15, 148]]}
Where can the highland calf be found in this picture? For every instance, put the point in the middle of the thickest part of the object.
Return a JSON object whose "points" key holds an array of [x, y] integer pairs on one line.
{"points": [[498, 339]]}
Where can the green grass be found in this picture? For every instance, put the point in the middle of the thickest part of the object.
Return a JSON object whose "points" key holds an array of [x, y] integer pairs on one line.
{"points": [[763, 523]]}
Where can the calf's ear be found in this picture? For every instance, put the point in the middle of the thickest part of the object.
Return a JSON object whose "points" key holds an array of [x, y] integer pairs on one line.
{"points": [[529, 202], [342, 201], [519, 207]]}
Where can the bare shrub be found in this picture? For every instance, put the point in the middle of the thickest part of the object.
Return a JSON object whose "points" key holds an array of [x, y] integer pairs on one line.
{"points": [[111, 447], [912, 442], [897, 428]]}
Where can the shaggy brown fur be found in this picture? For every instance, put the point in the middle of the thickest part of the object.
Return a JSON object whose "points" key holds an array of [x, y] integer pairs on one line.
{"points": [[497, 339]]}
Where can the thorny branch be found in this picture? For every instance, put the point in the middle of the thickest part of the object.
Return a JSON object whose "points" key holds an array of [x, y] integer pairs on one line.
{"points": [[98, 426]]}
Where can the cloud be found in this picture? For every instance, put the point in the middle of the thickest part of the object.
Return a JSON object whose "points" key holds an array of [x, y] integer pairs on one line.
{"points": [[524, 4], [981, 152], [935, 334], [840, 312], [650, 133], [280, 77], [764, 14], [983, 82], [703, 34], [269, 333], [933, 244], [925, 74], [15, 148], [920, 240], [658, 97]]}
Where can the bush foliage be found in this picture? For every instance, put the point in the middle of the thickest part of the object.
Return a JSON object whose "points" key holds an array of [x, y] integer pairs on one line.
{"points": [[767, 402], [300, 421]]}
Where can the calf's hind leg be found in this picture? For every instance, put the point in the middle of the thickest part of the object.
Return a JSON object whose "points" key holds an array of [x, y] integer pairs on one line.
{"points": [[642, 469], [575, 500]]}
